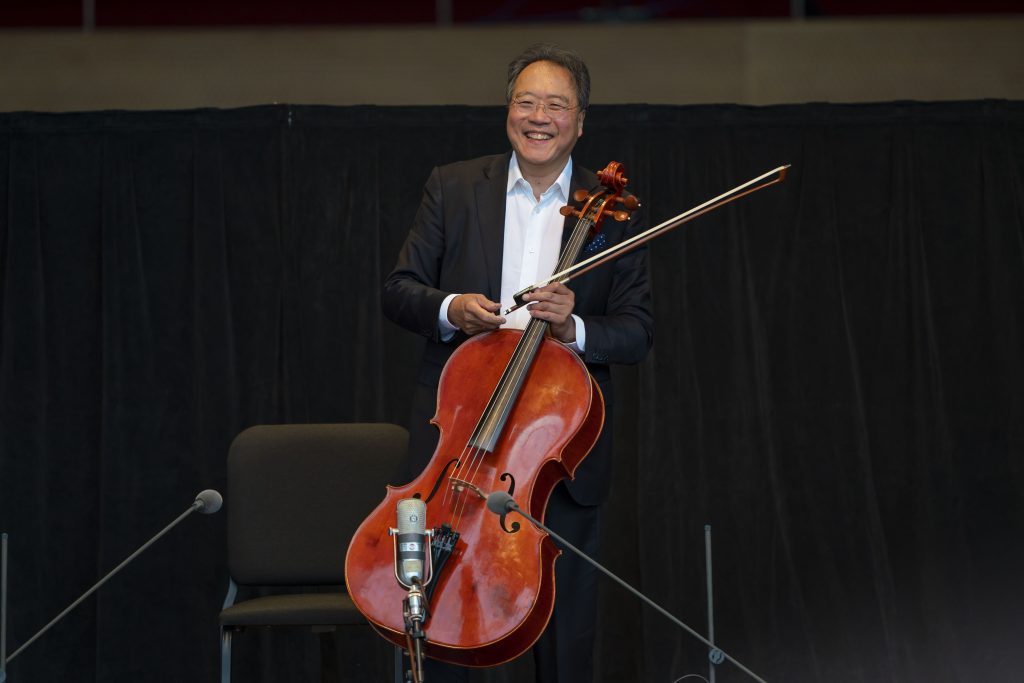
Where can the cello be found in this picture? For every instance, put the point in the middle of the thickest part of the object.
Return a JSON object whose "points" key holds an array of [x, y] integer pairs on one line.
{"points": [[518, 412]]}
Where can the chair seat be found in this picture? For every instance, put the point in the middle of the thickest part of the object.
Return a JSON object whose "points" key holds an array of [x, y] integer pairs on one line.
{"points": [[301, 609]]}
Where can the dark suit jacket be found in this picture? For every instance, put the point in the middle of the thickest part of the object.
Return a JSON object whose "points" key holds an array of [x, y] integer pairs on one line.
{"points": [[455, 246]]}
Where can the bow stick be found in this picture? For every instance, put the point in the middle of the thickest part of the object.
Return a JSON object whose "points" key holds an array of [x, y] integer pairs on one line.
{"points": [[632, 243]]}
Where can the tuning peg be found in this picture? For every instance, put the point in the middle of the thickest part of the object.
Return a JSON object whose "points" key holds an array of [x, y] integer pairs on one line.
{"points": [[580, 195], [568, 211], [630, 202], [620, 215]]}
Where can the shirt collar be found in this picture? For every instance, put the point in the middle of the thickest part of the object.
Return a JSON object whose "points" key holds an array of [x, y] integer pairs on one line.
{"points": [[515, 178]]}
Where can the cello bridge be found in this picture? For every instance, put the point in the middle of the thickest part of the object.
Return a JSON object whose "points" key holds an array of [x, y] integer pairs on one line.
{"points": [[460, 485]]}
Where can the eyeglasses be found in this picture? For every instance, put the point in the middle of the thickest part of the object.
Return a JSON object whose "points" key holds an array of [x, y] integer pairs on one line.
{"points": [[554, 109]]}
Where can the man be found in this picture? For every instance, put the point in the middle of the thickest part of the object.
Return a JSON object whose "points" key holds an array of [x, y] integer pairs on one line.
{"points": [[486, 229]]}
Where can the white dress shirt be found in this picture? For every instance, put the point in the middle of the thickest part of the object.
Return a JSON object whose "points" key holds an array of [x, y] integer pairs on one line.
{"points": [[533, 239]]}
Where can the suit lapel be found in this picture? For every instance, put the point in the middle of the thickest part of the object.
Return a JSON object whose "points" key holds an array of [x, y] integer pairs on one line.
{"points": [[490, 206], [582, 179]]}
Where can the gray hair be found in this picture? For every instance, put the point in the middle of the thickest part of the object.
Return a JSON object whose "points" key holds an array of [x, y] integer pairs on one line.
{"points": [[547, 52]]}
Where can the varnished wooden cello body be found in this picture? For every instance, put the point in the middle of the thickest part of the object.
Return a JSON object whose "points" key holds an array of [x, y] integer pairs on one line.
{"points": [[518, 412]]}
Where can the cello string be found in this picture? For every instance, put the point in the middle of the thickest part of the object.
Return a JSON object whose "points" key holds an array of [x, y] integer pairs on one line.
{"points": [[500, 399], [455, 512], [523, 354], [502, 395], [459, 496], [520, 362], [522, 358]]}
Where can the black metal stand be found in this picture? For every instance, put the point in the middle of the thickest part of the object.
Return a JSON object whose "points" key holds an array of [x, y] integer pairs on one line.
{"points": [[3, 608], [414, 609]]}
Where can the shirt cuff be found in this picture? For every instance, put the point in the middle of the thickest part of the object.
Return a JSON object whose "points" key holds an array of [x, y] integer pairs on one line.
{"points": [[580, 345], [444, 327]]}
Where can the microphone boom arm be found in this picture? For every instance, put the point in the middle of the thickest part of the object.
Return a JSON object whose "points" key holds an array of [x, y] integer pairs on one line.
{"points": [[207, 502], [500, 502]]}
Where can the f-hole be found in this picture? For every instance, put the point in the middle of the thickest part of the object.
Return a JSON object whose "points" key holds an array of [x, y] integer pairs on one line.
{"points": [[511, 489], [442, 477]]}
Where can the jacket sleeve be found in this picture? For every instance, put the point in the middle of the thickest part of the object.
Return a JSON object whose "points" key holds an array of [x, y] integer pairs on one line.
{"points": [[411, 297], [624, 331]]}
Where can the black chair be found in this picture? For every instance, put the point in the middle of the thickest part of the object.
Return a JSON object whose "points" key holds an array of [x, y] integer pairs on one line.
{"points": [[296, 494]]}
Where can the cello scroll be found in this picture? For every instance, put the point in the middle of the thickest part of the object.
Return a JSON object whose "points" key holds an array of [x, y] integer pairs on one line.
{"points": [[596, 207]]}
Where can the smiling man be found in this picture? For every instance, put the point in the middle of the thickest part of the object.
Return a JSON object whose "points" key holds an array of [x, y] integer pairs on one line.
{"points": [[545, 118], [487, 228]]}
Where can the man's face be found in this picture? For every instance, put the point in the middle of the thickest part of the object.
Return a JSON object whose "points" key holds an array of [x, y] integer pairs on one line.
{"points": [[541, 139]]}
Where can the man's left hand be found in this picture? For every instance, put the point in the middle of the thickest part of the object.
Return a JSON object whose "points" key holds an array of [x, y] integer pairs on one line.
{"points": [[554, 303]]}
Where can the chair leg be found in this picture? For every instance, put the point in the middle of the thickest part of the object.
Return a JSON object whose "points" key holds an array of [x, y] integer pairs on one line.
{"points": [[225, 654]]}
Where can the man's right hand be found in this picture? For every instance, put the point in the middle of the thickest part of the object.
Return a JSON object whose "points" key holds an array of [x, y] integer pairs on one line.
{"points": [[474, 313]]}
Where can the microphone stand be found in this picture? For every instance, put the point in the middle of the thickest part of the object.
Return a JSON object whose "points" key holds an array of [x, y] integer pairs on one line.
{"points": [[413, 608], [207, 502], [3, 608], [502, 503]]}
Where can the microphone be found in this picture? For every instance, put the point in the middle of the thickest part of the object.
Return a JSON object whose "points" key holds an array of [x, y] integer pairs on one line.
{"points": [[207, 502], [412, 572], [501, 503], [411, 542]]}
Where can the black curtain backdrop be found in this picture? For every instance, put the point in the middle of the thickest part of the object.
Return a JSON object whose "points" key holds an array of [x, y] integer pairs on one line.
{"points": [[835, 386]]}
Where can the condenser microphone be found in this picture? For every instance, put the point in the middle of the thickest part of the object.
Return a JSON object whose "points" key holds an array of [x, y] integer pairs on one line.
{"points": [[412, 572], [411, 542]]}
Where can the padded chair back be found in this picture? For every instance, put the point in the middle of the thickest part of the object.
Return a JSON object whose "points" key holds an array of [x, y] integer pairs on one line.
{"points": [[297, 493]]}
